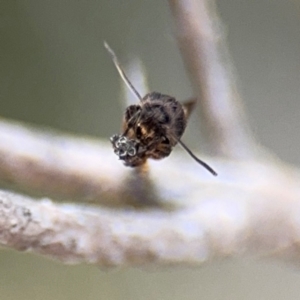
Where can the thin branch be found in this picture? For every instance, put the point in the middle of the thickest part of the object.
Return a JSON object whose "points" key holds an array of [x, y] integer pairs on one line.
{"points": [[138, 76], [231, 219], [203, 50], [82, 169], [250, 209]]}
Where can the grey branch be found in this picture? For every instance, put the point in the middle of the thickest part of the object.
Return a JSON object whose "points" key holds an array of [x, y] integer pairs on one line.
{"points": [[175, 214], [200, 40], [61, 166], [232, 217]]}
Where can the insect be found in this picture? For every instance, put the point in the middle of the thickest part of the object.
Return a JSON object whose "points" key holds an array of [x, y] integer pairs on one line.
{"points": [[152, 127]]}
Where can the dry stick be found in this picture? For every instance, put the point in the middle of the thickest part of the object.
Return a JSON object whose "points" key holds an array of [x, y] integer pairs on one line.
{"points": [[47, 163], [138, 76], [69, 167], [233, 221], [251, 208], [199, 38]]}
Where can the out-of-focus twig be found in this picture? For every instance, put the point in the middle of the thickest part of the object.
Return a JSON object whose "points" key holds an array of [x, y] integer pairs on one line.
{"points": [[186, 216], [203, 50], [231, 218], [36, 161], [73, 168], [138, 77]]}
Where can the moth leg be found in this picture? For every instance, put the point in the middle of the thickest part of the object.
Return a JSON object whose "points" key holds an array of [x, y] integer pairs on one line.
{"points": [[131, 110], [130, 117], [161, 150]]}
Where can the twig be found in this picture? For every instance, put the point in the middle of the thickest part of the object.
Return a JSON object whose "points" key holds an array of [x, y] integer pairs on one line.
{"points": [[62, 166], [83, 169], [138, 77], [203, 50], [251, 208], [232, 218]]}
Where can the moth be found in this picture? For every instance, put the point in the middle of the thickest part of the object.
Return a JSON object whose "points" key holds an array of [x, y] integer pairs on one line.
{"points": [[152, 127]]}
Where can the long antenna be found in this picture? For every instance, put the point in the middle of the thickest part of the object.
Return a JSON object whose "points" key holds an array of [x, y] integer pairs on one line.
{"points": [[121, 71], [201, 162]]}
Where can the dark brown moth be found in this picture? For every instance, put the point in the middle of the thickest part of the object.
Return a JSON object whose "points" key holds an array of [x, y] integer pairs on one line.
{"points": [[152, 127]]}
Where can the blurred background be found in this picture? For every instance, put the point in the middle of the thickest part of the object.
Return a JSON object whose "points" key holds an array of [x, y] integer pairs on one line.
{"points": [[55, 73]]}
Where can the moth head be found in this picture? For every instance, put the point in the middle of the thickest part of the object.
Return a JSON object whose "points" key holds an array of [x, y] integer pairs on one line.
{"points": [[123, 146]]}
